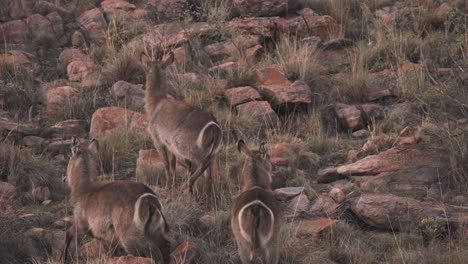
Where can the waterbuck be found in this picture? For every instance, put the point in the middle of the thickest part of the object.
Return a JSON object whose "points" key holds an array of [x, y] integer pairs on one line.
{"points": [[122, 213], [256, 215], [180, 131]]}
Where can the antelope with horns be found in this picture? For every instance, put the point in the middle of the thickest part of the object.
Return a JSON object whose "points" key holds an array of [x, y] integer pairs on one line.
{"points": [[179, 130], [256, 215], [122, 213]]}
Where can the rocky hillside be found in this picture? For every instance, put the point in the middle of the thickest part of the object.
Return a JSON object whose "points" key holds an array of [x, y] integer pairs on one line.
{"points": [[363, 105]]}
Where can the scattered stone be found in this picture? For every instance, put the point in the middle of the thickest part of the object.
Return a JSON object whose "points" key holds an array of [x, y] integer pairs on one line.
{"points": [[261, 8], [92, 249], [14, 32], [78, 39], [323, 206], [16, 128], [66, 129], [56, 147], [131, 94], [337, 195], [46, 202], [170, 10], [57, 97], [361, 134], [337, 43], [95, 25], [315, 227], [86, 72], [187, 253], [114, 119], [328, 175], [7, 189], [297, 205], [69, 55], [259, 110], [130, 260], [17, 58], [33, 141], [283, 154], [240, 95], [349, 116], [41, 193]]}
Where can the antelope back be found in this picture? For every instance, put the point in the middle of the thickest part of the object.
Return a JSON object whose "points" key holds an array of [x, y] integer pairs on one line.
{"points": [[256, 168]]}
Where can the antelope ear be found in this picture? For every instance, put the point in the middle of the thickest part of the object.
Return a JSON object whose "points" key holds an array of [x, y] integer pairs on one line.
{"points": [[242, 148], [284, 196], [144, 59], [263, 150], [167, 60], [93, 147], [75, 146]]}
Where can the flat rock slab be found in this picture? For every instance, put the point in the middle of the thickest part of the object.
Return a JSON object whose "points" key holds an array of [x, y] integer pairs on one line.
{"points": [[408, 170], [314, 227], [239, 95], [392, 212]]}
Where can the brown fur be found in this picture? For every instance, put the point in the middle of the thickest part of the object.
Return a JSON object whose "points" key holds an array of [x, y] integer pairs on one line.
{"points": [[121, 213], [176, 126], [256, 216]]}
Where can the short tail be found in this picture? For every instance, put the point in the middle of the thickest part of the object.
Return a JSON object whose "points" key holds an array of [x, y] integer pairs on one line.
{"points": [[148, 217], [256, 222]]}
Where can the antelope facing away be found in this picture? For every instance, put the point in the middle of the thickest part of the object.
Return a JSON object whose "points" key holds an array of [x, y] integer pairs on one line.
{"points": [[179, 130], [256, 215], [122, 213]]}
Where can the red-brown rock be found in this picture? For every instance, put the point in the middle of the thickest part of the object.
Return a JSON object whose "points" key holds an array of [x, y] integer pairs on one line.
{"points": [[259, 110], [114, 119], [38, 23], [7, 190], [315, 227], [131, 94], [80, 70], [187, 253], [57, 97], [16, 58], [259, 8], [323, 206], [408, 170], [77, 39], [69, 55], [130, 260], [283, 154], [66, 129], [41, 193], [349, 116], [170, 10], [110, 5], [94, 23], [240, 95], [15, 32]]}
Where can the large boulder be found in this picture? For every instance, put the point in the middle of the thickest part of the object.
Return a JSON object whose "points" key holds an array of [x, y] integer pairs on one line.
{"points": [[116, 119], [409, 170]]}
